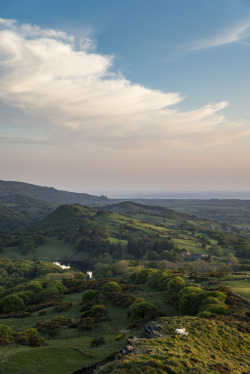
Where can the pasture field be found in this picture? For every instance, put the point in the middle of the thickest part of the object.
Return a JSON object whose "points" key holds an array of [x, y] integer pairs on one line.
{"points": [[234, 212], [240, 287], [69, 350]]}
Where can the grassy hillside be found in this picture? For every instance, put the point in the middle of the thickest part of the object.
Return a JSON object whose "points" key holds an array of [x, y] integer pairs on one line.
{"points": [[70, 311], [155, 236], [18, 212], [212, 346]]}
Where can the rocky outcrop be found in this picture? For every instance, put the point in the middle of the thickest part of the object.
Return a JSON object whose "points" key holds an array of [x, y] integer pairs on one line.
{"points": [[150, 331]]}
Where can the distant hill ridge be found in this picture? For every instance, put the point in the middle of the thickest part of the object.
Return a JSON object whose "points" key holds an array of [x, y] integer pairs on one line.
{"points": [[48, 194]]}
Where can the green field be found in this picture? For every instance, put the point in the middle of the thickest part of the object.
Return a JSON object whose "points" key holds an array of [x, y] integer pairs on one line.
{"points": [[64, 352]]}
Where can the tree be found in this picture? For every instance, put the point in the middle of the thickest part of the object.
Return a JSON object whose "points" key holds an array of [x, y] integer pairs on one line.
{"points": [[136, 248], [233, 261], [216, 251]]}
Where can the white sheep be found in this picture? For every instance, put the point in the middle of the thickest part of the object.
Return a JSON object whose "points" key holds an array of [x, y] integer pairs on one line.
{"points": [[181, 332]]}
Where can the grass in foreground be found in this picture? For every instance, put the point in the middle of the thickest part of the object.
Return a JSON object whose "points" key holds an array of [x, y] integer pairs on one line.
{"points": [[212, 346]]}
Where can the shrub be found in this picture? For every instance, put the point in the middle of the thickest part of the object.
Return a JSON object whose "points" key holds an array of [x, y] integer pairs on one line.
{"points": [[122, 299], [189, 303], [87, 323], [42, 326], [141, 308], [97, 341], [11, 303], [63, 306], [6, 336], [111, 287], [89, 295], [119, 337], [27, 296], [29, 339], [218, 295], [42, 312], [218, 309], [160, 279], [34, 286], [175, 285], [190, 289], [61, 321], [31, 331], [143, 275]]}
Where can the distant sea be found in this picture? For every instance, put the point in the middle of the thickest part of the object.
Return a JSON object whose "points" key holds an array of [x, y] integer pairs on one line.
{"points": [[206, 195]]}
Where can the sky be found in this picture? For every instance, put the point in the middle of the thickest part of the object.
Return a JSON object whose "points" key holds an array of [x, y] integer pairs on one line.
{"points": [[125, 95]]}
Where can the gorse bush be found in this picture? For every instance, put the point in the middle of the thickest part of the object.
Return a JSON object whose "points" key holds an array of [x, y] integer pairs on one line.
{"points": [[159, 280], [5, 335], [97, 341], [111, 287], [89, 295], [143, 310]]}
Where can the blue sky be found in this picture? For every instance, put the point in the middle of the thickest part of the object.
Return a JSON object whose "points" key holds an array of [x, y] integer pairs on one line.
{"points": [[125, 94]]}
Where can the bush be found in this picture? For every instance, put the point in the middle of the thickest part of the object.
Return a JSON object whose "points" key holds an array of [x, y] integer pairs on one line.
{"points": [[6, 336], [31, 331], [111, 287], [189, 303], [34, 286], [190, 289], [143, 275], [87, 323], [29, 339], [89, 295], [160, 279], [63, 306], [141, 308], [42, 312], [42, 326], [97, 312], [217, 309], [122, 299], [175, 285], [218, 295], [61, 321], [97, 341], [11, 303], [119, 337]]}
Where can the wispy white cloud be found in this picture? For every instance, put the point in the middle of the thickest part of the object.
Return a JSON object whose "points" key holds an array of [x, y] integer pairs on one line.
{"points": [[237, 33], [22, 140], [44, 74], [33, 31]]}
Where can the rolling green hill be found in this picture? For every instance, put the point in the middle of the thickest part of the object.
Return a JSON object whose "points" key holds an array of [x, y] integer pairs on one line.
{"points": [[132, 231], [17, 212]]}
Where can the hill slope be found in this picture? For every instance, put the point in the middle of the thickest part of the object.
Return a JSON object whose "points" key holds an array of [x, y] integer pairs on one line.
{"points": [[48, 194], [212, 346], [17, 212]]}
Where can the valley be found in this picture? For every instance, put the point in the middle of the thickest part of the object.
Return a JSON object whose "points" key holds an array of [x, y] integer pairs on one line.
{"points": [[149, 263]]}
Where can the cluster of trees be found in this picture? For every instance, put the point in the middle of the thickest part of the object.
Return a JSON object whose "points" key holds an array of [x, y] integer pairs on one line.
{"points": [[31, 293], [24, 283], [15, 272], [29, 242], [189, 300]]}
